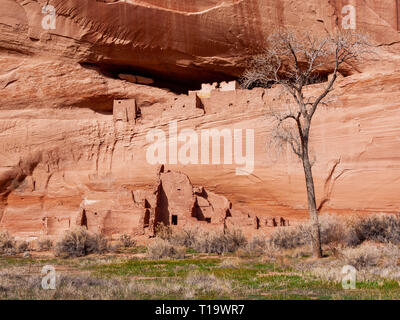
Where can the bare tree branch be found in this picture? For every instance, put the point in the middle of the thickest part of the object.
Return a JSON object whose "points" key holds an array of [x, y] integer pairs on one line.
{"points": [[294, 62]]}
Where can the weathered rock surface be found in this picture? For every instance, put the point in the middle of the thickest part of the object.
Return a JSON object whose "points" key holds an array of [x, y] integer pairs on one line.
{"points": [[64, 144], [187, 40]]}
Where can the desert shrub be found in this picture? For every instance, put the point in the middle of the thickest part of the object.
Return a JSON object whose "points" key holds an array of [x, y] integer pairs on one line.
{"points": [[162, 249], [127, 241], [114, 247], [7, 243], [379, 228], [96, 243], [219, 243], [164, 232], [45, 244], [205, 242], [362, 257], [185, 237], [257, 245], [79, 242], [234, 240], [291, 237], [332, 229], [391, 255], [22, 247]]}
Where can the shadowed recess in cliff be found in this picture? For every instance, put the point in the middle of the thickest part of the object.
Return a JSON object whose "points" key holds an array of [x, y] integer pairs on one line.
{"points": [[175, 84], [12, 178]]}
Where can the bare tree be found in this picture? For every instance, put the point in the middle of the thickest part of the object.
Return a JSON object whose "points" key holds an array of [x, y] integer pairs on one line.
{"points": [[294, 62]]}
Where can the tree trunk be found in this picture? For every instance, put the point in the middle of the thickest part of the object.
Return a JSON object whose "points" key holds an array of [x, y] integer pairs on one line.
{"points": [[312, 207]]}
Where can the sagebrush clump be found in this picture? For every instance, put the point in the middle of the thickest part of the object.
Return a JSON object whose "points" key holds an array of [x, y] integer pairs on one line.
{"points": [[163, 249], [343, 232], [186, 237], [258, 245], [291, 237], [164, 232], [79, 243], [127, 241], [7, 243], [45, 244], [379, 228], [208, 242], [23, 246], [363, 257]]}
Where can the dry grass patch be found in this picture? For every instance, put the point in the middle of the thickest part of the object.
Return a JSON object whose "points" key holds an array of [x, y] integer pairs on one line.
{"points": [[230, 263]]}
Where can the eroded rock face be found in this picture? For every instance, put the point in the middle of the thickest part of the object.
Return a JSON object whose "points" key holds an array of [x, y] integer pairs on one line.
{"points": [[197, 41], [69, 155]]}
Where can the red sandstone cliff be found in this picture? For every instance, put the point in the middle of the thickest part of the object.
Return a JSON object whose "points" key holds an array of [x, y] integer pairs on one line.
{"points": [[60, 142]]}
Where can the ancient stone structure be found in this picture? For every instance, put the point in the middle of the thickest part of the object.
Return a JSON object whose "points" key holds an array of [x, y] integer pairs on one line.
{"points": [[173, 201], [229, 86], [207, 89], [126, 110]]}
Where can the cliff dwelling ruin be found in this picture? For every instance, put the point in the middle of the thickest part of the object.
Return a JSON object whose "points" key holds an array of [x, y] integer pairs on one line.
{"points": [[173, 202]]}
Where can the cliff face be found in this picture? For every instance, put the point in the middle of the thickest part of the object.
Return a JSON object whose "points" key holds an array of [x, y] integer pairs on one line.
{"points": [[64, 141], [196, 41]]}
